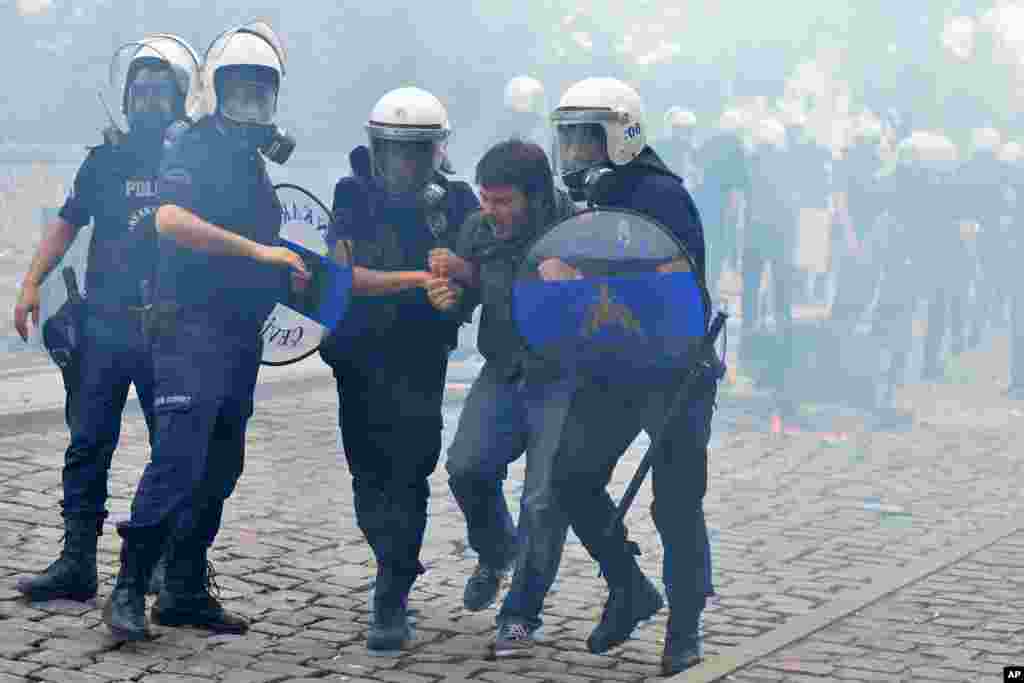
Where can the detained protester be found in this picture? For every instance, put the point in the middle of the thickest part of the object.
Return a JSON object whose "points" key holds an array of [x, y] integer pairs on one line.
{"points": [[603, 157], [391, 355], [219, 273], [115, 188], [518, 403]]}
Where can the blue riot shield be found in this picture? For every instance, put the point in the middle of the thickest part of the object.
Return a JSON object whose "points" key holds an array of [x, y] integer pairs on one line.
{"points": [[633, 305], [300, 321]]}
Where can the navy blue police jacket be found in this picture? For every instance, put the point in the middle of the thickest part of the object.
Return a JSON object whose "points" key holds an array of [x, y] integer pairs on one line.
{"points": [[208, 173], [116, 190], [388, 237]]}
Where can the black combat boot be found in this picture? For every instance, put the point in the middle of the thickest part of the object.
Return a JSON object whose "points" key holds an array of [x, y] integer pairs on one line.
{"points": [[73, 575], [632, 599], [684, 637], [186, 598], [125, 611], [390, 630]]}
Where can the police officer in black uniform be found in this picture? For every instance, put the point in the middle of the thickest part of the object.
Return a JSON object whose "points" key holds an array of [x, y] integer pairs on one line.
{"points": [[391, 355], [602, 156], [219, 274], [115, 189]]}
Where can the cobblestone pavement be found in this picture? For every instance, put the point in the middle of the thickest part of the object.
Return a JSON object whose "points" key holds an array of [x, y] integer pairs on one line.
{"points": [[797, 523]]}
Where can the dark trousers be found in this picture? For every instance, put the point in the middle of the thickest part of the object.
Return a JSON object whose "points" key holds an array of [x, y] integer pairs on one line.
{"points": [[500, 421], [205, 377], [390, 413], [754, 262], [114, 357], [591, 447]]}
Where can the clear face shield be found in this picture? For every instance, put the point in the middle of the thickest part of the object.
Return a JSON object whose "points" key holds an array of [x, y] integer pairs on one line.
{"points": [[153, 100], [579, 147], [248, 99], [405, 161]]}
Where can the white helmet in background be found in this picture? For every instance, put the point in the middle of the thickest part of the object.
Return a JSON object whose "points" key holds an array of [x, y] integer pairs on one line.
{"points": [[930, 150], [408, 131], [598, 121], [1011, 153], [525, 95], [679, 118], [770, 133], [172, 96], [985, 140]]}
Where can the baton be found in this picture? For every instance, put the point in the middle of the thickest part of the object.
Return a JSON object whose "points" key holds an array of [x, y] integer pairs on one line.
{"points": [[706, 350]]}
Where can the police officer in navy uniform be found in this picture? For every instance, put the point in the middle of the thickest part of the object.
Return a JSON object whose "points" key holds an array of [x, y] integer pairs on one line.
{"points": [[115, 189], [391, 355], [602, 155], [220, 271]]}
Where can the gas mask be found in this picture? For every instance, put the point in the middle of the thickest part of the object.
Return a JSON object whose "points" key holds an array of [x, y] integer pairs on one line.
{"points": [[247, 104]]}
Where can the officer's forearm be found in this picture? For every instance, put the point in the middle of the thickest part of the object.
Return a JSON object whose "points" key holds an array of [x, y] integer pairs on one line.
{"points": [[189, 230], [366, 282], [53, 246]]}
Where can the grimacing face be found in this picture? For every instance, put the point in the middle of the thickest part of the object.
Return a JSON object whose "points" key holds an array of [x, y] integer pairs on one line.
{"points": [[508, 206]]}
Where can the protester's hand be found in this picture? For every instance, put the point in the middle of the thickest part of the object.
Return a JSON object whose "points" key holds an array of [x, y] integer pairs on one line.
{"points": [[443, 263], [554, 269], [444, 294], [28, 303]]}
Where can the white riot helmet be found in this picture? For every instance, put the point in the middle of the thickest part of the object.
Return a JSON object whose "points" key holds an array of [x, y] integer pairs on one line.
{"points": [[1011, 153], [525, 95], [770, 133], [679, 118], [408, 132], [154, 102], [241, 79], [985, 140], [928, 150], [598, 121]]}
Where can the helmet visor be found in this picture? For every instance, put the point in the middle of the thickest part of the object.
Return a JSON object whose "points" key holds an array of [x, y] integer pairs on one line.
{"points": [[245, 99], [152, 91], [579, 146], [405, 166]]}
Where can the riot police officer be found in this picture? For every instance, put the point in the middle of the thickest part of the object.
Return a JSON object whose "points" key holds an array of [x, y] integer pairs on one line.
{"points": [[115, 189], [1011, 156], [603, 157], [525, 109], [724, 187], [219, 274], [391, 356], [980, 180], [680, 146]]}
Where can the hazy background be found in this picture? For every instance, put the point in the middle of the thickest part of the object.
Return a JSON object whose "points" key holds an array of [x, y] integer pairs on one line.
{"points": [[344, 55]]}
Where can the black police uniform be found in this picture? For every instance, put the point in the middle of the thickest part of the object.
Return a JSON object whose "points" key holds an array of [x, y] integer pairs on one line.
{"points": [[115, 188], [390, 359], [593, 444], [206, 353]]}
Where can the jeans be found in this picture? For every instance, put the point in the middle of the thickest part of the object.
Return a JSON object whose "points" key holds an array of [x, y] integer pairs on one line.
{"points": [[502, 419]]}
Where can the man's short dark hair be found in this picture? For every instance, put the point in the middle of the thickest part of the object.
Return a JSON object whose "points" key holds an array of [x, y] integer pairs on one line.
{"points": [[520, 164]]}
